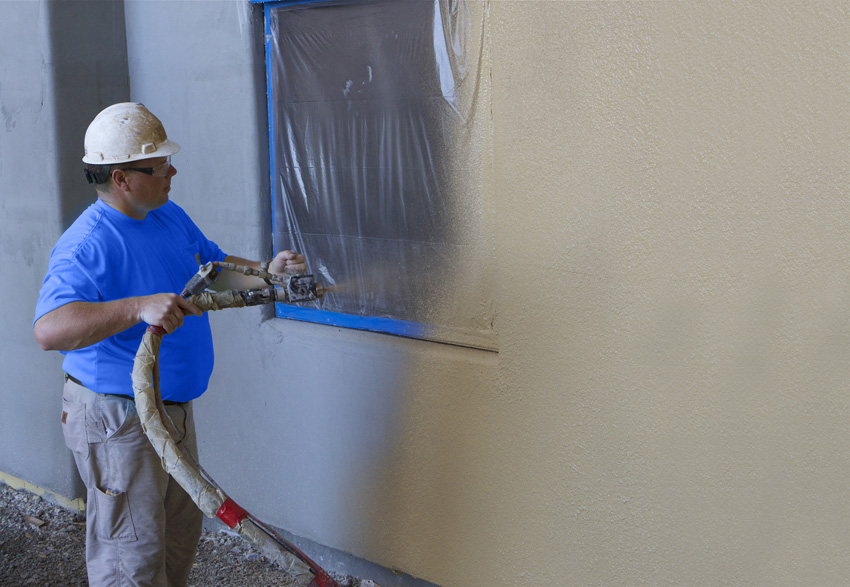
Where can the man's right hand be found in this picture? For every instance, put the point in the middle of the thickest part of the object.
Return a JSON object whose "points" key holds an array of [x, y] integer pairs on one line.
{"points": [[165, 310]]}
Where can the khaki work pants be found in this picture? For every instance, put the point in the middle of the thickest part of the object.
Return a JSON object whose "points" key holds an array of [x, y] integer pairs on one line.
{"points": [[142, 528]]}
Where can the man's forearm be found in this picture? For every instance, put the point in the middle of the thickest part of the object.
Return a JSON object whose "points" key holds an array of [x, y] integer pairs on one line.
{"points": [[80, 324], [233, 280]]}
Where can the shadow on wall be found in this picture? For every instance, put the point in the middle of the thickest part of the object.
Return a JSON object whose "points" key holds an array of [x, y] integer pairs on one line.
{"points": [[88, 50], [88, 54]]}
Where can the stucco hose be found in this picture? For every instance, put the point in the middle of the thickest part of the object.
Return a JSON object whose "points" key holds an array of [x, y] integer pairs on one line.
{"points": [[182, 466]]}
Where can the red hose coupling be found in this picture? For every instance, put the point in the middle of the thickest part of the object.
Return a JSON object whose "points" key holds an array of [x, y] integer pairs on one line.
{"points": [[230, 513]]}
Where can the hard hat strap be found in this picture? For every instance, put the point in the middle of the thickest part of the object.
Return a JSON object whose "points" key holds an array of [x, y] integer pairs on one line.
{"points": [[97, 173]]}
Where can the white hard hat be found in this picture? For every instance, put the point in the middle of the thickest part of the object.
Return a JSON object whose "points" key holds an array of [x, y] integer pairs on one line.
{"points": [[126, 132]]}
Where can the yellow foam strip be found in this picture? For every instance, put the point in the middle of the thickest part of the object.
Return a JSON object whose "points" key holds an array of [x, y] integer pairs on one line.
{"points": [[75, 505]]}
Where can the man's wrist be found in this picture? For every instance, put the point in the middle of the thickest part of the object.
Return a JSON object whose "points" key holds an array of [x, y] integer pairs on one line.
{"points": [[264, 267]]}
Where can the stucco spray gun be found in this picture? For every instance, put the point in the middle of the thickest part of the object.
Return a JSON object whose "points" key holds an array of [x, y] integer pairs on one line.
{"points": [[180, 463], [293, 288]]}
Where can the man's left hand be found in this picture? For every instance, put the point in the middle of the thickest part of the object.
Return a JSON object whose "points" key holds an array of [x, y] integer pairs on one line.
{"points": [[288, 263]]}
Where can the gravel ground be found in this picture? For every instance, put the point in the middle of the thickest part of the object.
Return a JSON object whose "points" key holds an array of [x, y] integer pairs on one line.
{"points": [[44, 545]]}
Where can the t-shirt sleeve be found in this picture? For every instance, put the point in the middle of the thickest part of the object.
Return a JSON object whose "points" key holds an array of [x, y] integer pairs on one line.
{"points": [[64, 283], [207, 249]]}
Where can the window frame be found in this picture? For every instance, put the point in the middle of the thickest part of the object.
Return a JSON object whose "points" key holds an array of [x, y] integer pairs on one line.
{"points": [[393, 326]]}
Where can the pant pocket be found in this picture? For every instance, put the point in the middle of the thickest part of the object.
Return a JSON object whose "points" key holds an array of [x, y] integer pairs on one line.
{"points": [[117, 416], [114, 518], [74, 426]]}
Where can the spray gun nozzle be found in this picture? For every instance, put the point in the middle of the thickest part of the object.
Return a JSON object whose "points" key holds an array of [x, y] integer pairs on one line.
{"points": [[203, 279], [303, 288]]}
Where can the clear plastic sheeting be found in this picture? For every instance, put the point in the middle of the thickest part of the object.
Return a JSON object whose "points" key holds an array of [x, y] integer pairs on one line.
{"points": [[380, 151]]}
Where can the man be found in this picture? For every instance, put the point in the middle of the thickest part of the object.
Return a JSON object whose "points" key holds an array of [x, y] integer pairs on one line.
{"points": [[117, 269]]}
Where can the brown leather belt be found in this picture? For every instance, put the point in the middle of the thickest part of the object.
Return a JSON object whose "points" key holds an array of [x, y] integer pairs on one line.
{"points": [[167, 402]]}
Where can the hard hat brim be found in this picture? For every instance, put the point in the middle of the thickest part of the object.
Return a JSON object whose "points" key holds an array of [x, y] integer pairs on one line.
{"points": [[162, 150]]}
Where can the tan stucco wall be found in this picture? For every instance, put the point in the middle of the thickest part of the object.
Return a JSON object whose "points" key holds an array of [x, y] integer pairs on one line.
{"points": [[671, 405]]}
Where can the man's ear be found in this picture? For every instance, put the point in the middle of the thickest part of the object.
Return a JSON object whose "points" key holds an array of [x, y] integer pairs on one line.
{"points": [[119, 178]]}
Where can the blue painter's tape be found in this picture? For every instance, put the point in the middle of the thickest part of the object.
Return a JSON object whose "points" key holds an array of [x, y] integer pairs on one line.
{"points": [[371, 323], [270, 102]]}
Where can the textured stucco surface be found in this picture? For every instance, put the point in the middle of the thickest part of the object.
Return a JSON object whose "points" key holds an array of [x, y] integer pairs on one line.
{"points": [[679, 172], [669, 403]]}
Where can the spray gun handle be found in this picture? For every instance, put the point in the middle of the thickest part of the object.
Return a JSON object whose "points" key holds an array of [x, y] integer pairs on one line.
{"points": [[205, 277]]}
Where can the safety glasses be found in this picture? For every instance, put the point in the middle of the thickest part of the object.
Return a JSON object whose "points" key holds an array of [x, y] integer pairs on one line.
{"points": [[160, 170]]}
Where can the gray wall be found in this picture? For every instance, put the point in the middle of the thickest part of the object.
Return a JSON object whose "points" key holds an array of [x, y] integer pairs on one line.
{"points": [[669, 406], [61, 62], [277, 430]]}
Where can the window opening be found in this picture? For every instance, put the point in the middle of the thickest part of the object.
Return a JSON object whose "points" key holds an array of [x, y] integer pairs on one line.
{"points": [[379, 130]]}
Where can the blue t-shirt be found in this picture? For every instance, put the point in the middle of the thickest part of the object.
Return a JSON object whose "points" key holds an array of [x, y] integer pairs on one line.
{"points": [[105, 255]]}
